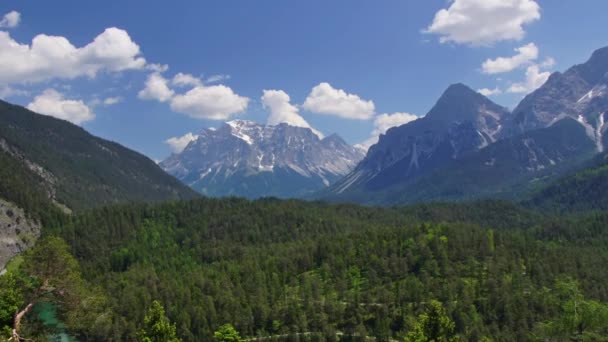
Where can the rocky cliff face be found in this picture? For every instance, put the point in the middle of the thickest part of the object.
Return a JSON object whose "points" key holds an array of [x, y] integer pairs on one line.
{"points": [[17, 233], [243, 158], [463, 121], [580, 93]]}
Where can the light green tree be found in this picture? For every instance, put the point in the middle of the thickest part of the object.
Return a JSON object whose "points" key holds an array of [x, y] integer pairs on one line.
{"points": [[157, 327], [227, 333], [433, 325], [579, 318], [49, 273], [11, 300]]}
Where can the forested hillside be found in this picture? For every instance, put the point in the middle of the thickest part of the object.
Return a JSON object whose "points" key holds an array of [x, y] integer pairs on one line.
{"points": [[45, 158], [580, 191], [288, 268]]}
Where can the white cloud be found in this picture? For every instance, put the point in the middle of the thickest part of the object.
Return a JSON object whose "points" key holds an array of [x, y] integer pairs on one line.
{"points": [[157, 67], [483, 22], [534, 79], [178, 144], [282, 111], [156, 88], [489, 92], [51, 57], [53, 103], [549, 62], [217, 78], [6, 92], [216, 102], [109, 101], [11, 19], [184, 80], [382, 123], [525, 55], [324, 99]]}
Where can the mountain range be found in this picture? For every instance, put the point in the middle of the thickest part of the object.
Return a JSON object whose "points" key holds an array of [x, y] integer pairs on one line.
{"points": [[469, 147], [247, 159], [465, 147]]}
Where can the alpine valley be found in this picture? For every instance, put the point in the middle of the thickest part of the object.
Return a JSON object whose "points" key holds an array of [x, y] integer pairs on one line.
{"points": [[474, 222]]}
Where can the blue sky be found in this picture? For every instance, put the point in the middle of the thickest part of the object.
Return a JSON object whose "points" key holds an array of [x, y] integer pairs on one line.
{"points": [[344, 66]]}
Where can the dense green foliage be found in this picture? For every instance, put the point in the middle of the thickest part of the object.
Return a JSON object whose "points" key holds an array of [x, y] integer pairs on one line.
{"points": [[78, 169], [157, 327], [292, 269], [433, 325], [227, 333], [11, 301], [26, 189], [50, 274], [580, 191]]}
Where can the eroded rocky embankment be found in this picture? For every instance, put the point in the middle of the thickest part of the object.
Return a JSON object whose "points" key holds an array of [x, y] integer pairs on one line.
{"points": [[17, 232]]}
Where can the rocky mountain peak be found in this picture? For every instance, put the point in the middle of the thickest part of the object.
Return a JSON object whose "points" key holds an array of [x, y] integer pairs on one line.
{"points": [[245, 158], [460, 103], [580, 93], [461, 122]]}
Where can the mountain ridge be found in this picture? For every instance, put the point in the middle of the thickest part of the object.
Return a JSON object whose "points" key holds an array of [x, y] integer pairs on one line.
{"points": [[76, 169], [244, 158], [464, 123], [429, 142]]}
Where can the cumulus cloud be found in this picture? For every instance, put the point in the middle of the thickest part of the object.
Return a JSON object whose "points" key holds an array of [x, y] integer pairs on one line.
{"points": [[489, 92], [534, 79], [51, 57], [53, 103], [525, 55], [483, 22], [216, 102], [156, 88], [178, 144], [184, 80], [277, 102], [382, 123], [325, 99], [11, 19]]}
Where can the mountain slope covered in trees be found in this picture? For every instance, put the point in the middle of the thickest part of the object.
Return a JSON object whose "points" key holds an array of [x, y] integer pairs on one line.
{"points": [[582, 190], [47, 158]]}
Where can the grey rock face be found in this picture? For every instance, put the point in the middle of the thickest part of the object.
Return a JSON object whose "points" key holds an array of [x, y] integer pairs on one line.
{"points": [[244, 158], [467, 146], [463, 121], [17, 233], [580, 93]]}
